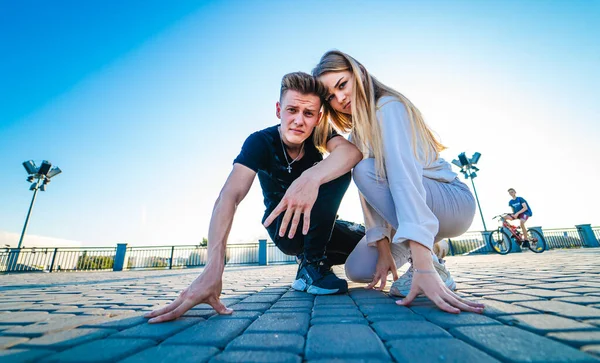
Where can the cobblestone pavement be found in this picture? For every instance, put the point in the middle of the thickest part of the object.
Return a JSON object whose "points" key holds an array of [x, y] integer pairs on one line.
{"points": [[540, 308]]}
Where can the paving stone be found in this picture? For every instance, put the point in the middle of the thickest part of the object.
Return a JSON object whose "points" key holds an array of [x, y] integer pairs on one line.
{"points": [[291, 343], [582, 290], [104, 350], [510, 298], [497, 308], [582, 300], [373, 318], [264, 298], [337, 312], [158, 332], [23, 318], [563, 308], [262, 307], [174, 353], [213, 332], [56, 323], [592, 349], [578, 339], [427, 350], [385, 309], [446, 320], [546, 293], [66, 339], [297, 295], [335, 300], [23, 355], [252, 315], [289, 310], [293, 304], [361, 293], [392, 330], [281, 323], [340, 341], [375, 301], [117, 322], [339, 320], [236, 356], [543, 323], [510, 344], [553, 286], [7, 342]]}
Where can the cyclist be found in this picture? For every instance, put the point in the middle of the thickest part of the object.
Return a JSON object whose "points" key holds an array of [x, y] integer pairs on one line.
{"points": [[521, 211]]}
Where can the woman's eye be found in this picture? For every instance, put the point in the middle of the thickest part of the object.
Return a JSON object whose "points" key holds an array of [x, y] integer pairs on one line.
{"points": [[329, 98], [343, 84]]}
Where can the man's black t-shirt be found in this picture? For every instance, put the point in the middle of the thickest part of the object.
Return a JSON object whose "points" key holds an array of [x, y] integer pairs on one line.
{"points": [[263, 152]]}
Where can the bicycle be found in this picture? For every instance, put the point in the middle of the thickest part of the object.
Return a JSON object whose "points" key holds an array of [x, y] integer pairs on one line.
{"points": [[501, 241]]}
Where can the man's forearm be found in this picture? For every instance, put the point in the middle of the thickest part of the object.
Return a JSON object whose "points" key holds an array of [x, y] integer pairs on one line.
{"points": [[220, 225], [339, 162]]}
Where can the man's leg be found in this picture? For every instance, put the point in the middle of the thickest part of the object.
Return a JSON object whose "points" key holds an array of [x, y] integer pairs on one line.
{"points": [[523, 228], [322, 220]]}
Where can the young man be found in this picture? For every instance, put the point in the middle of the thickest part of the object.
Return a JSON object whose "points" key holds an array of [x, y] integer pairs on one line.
{"points": [[294, 179], [521, 211]]}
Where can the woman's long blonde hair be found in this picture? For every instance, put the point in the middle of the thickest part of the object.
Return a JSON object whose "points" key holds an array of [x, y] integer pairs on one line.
{"points": [[362, 124]]}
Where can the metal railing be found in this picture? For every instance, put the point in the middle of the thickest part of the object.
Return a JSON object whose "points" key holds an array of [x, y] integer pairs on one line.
{"points": [[56, 259], [469, 243], [563, 238], [169, 257]]}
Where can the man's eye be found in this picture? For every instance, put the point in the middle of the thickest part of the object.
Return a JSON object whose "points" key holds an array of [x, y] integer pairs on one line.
{"points": [[309, 114]]}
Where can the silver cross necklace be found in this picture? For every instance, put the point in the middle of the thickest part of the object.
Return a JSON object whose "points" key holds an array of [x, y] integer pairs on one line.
{"points": [[289, 167]]}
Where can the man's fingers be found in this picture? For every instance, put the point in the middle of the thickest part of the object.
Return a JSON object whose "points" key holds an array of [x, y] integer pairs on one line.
{"points": [[306, 224], [395, 274], [164, 309], [219, 307], [172, 315], [294, 225], [284, 222], [275, 213]]}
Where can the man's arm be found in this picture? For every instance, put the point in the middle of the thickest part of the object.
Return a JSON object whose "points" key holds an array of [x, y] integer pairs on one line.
{"points": [[524, 205], [207, 287], [302, 194]]}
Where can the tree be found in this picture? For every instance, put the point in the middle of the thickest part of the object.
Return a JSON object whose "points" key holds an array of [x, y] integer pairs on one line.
{"points": [[204, 242]]}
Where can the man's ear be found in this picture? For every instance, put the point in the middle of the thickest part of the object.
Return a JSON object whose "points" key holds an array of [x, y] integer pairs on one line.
{"points": [[278, 110], [320, 117]]}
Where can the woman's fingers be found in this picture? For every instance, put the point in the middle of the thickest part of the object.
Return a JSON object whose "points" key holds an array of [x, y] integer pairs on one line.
{"points": [[468, 302], [442, 304], [461, 305], [409, 298], [374, 282], [395, 274], [219, 307]]}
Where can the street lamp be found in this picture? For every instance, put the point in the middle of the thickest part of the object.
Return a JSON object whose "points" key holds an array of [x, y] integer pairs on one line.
{"points": [[468, 168], [39, 177]]}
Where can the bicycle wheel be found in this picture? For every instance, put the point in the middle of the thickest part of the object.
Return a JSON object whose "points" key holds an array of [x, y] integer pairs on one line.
{"points": [[500, 242], [537, 243]]}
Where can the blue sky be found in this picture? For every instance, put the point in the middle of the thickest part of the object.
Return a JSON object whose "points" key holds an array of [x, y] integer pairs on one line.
{"points": [[144, 105]]}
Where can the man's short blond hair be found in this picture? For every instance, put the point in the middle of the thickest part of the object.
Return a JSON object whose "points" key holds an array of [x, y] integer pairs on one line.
{"points": [[303, 83]]}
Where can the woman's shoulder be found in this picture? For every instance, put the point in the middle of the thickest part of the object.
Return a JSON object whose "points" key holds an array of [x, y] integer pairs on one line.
{"points": [[387, 102]]}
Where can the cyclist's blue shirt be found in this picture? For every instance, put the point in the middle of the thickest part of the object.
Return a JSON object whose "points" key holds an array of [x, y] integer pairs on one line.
{"points": [[517, 205]]}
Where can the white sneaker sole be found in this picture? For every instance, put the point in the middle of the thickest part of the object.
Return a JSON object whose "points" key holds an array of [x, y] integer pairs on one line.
{"points": [[300, 285]]}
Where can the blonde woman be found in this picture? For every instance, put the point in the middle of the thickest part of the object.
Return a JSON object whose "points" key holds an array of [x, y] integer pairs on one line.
{"points": [[410, 196]]}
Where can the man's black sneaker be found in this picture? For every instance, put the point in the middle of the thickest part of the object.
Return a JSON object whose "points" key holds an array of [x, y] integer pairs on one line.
{"points": [[317, 278]]}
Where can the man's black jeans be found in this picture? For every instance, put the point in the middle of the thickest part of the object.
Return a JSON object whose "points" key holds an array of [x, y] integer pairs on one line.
{"points": [[326, 236]]}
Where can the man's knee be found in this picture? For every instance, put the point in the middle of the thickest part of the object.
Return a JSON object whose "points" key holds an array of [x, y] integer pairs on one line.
{"points": [[291, 247]]}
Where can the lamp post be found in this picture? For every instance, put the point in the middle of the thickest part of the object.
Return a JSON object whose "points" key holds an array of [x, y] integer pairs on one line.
{"points": [[39, 177], [468, 168]]}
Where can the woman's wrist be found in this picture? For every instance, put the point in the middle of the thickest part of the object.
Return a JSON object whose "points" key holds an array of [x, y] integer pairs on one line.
{"points": [[421, 256], [383, 244]]}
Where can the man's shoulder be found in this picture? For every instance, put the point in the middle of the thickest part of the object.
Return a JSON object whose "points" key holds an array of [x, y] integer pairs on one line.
{"points": [[267, 134]]}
